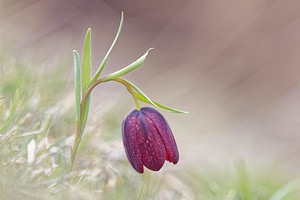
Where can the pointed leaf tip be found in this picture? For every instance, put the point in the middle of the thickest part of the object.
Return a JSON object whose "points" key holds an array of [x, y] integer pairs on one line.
{"points": [[140, 95], [101, 67], [86, 62], [127, 69], [77, 83]]}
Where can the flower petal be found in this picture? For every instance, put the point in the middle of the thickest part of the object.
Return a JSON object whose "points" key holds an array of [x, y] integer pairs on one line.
{"points": [[165, 132], [150, 143], [130, 141]]}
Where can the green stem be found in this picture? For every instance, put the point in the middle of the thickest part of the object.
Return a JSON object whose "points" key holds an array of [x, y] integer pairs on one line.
{"points": [[86, 94], [79, 123], [130, 90], [76, 143], [83, 101]]}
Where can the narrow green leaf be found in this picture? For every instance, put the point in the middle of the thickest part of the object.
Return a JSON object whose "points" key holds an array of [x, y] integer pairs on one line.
{"points": [[243, 179], [158, 105], [143, 97], [2, 107], [285, 190], [86, 71], [108, 52], [77, 83], [127, 69], [85, 114], [47, 126], [8, 120], [231, 195], [86, 75]]}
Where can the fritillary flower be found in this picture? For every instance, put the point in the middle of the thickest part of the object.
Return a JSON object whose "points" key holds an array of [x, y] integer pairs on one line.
{"points": [[148, 140]]}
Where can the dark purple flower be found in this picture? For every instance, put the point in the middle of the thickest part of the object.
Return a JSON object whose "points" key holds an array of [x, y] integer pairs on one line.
{"points": [[148, 140]]}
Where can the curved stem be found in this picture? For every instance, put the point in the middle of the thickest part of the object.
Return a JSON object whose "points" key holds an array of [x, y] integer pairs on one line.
{"points": [[79, 123], [130, 90], [84, 98], [87, 93]]}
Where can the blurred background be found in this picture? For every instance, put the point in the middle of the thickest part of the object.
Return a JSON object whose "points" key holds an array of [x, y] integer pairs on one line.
{"points": [[233, 65]]}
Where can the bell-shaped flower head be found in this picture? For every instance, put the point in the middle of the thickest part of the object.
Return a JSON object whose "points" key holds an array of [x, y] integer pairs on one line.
{"points": [[148, 140]]}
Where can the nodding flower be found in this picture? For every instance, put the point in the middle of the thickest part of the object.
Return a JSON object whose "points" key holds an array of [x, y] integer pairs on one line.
{"points": [[148, 140]]}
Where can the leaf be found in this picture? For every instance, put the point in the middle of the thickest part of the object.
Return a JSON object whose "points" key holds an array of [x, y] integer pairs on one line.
{"points": [[143, 97], [108, 52], [86, 76], [127, 69], [160, 106], [8, 120], [47, 126], [86, 63], [85, 114], [2, 107], [77, 83], [243, 179], [285, 190]]}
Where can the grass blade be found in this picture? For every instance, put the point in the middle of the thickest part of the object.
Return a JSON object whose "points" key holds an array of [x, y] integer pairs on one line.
{"points": [[108, 52], [77, 84], [8, 120], [243, 179], [2, 108], [286, 190]]}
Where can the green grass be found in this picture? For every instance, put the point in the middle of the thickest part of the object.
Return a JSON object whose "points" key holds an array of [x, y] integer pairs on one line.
{"points": [[37, 128]]}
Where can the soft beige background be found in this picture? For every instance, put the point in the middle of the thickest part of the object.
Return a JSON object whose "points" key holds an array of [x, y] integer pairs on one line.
{"points": [[234, 65]]}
